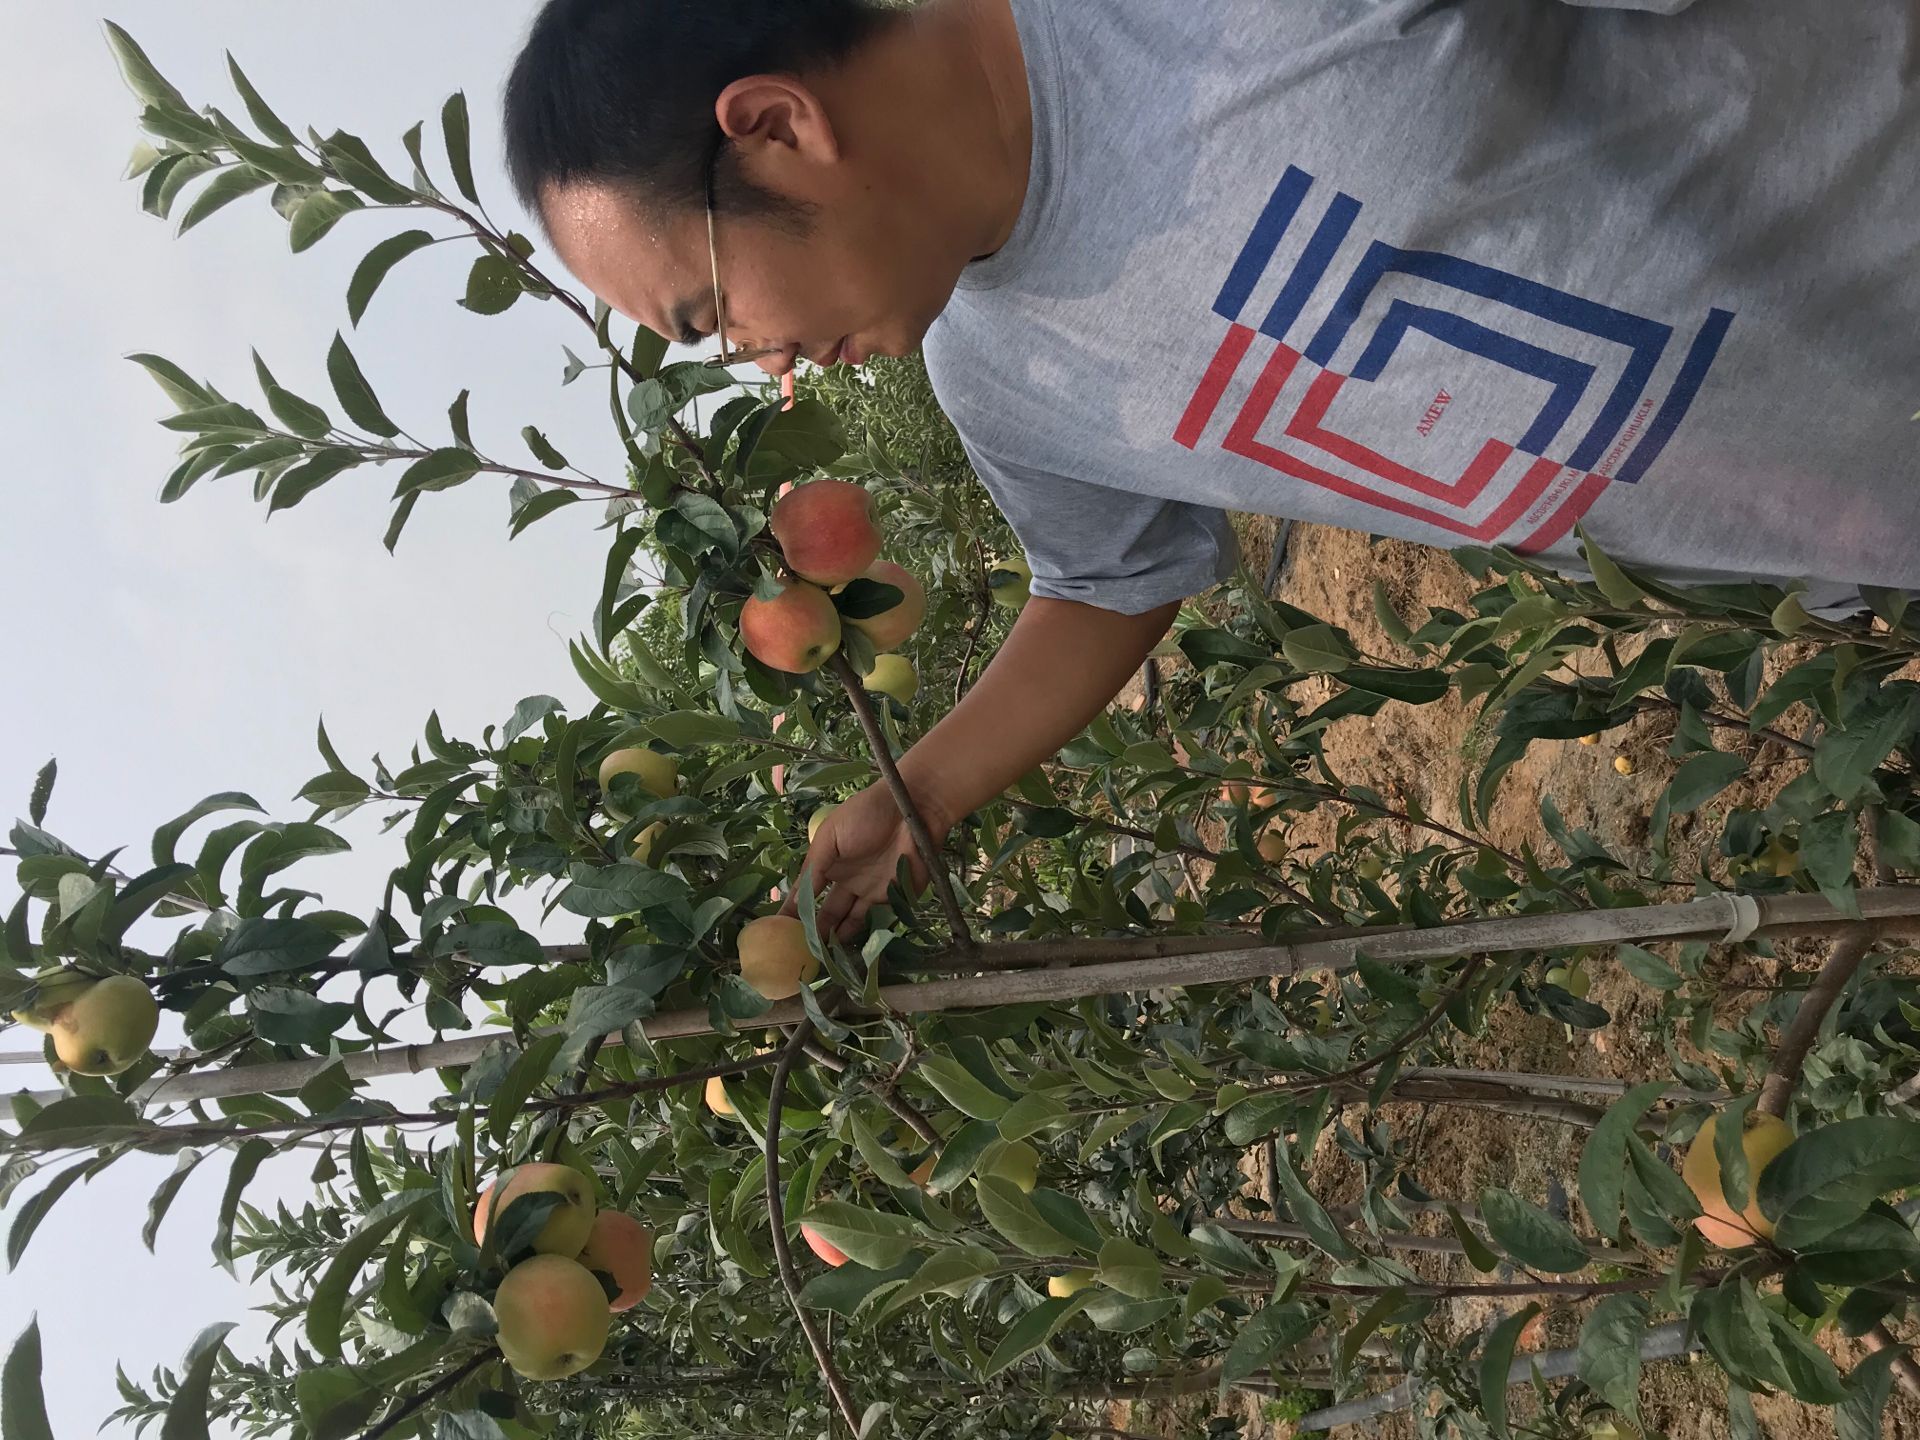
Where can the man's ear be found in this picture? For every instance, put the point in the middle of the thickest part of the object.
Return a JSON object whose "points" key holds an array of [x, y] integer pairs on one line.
{"points": [[762, 114]]}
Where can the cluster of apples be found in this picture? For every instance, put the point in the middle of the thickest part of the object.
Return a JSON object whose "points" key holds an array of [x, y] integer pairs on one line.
{"points": [[553, 1315], [828, 535], [99, 1026]]}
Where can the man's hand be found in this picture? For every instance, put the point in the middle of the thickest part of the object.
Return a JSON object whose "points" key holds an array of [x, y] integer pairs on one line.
{"points": [[856, 855], [1058, 669]]}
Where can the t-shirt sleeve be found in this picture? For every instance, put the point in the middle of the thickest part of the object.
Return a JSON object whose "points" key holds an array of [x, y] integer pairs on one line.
{"points": [[1110, 548]]}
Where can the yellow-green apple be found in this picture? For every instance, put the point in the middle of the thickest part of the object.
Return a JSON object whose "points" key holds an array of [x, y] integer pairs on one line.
{"points": [[1014, 1160], [826, 531], [1013, 587], [1272, 845], [816, 820], [622, 1247], [822, 1246], [567, 1224], [1245, 792], [774, 958], [553, 1317], [716, 1097], [796, 631], [1068, 1283], [890, 627], [1763, 1140], [893, 675], [644, 842], [106, 1027], [657, 773], [53, 992]]}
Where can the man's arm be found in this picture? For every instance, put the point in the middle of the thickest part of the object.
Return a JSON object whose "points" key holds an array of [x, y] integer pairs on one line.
{"points": [[1059, 667]]}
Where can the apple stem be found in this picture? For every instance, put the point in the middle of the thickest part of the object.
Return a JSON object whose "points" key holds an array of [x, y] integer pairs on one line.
{"points": [[916, 826], [777, 1223]]}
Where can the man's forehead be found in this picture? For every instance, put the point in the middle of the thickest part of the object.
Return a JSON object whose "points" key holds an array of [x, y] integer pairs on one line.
{"points": [[626, 257]]}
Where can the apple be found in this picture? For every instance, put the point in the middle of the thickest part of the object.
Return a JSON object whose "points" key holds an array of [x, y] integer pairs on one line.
{"points": [[567, 1224], [1014, 1160], [816, 820], [774, 958], [890, 627], [1069, 1283], [106, 1027], [1272, 845], [1245, 792], [893, 675], [622, 1247], [716, 1097], [644, 842], [1575, 981], [553, 1317], [796, 631], [922, 1174], [822, 1247], [655, 772], [1369, 867], [1013, 588], [1764, 1138], [826, 530], [52, 993], [1623, 764]]}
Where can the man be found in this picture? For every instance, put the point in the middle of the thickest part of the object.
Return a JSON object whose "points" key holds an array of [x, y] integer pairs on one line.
{"points": [[1460, 271]]}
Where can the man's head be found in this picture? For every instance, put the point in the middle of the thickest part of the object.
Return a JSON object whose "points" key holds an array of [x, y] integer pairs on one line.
{"points": [[806, 123]]}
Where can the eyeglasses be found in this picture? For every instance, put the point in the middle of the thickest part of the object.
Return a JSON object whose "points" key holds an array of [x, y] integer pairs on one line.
{"points": [[727, 356]]}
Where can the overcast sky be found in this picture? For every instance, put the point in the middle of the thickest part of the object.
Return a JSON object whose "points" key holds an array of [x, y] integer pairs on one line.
{"points": [[165, 652]]}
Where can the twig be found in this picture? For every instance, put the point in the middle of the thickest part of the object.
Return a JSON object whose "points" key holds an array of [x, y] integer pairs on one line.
{"points": [[1791, 1054], [1663, 1342], [1904, 1369], [777, 1220], [421, 1398], [1407, 1040], [882, 1091], [902, 797]]}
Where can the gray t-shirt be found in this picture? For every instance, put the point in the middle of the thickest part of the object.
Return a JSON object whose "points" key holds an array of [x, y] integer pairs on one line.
{"points": [[1458, 271]]}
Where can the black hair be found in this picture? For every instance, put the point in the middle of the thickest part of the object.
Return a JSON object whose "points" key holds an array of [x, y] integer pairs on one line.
{"points": [[622, 91]]}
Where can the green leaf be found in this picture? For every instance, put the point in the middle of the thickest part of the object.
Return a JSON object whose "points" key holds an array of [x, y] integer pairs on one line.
{"points": [[1826, 1179], [1032, 1330], [1013, 1215], [1030, 1114], [538, 507], [603, 891], [440, 470], [542, 449], [225, 188], [147, 84], [401, 513], [27, 1218], [1477, 1253], [283, 1015], [302, 417], [960, 1089], [1612, 580], [1858, 1417], [1496, 1363], [355, 394], [141, 894], [326, 1308], [1702, 778], [318, 214], [71, 1120], [246, 1163], [1316, 650], [1609, 1354], [1131, 1269], [23, 1403], [1648, 968], [308, 476], [455, 131], [1804, 1370], [878, 1159], [162, 1197], [335, 1401], [1319, 1225], [1271, 1329], [1529, 1234], [493, 285], [526, 1076], [844, 1290], [373, 269], [183, 390], [875, 1239], [1603, 1162], [1877, 1246], [264, 120], [1388, 617], [187, 1409], [263, 946]]}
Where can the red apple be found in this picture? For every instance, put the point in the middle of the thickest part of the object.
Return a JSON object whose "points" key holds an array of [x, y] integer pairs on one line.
{"points": [[820, 1246], [890, 627], [795, 632], [826, 530]]}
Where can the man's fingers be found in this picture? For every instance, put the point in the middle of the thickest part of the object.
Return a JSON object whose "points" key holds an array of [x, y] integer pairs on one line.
{"points": [[856, 920]]}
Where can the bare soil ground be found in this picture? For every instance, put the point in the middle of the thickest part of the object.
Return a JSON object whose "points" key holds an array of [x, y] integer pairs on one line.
{"points": [[1421, 753]]}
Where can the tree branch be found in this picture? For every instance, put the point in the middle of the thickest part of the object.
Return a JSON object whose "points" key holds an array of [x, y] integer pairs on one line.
{"points": [[1791, 1054], [910, 812], [420, 1399], [777, 1220]]}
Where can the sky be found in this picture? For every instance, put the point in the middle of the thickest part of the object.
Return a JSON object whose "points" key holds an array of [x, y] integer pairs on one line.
{"points": [[166, 652]]}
